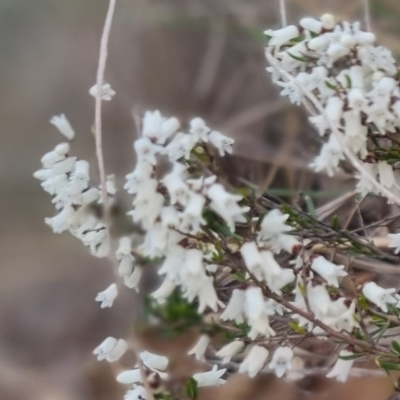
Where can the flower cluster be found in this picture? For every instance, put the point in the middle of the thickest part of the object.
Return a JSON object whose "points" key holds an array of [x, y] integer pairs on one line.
{"points": [[67, 180], [357, 83], [244, 270]]}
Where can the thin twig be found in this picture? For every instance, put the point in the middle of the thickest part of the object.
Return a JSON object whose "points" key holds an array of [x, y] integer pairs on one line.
{"points": [[339, 136], [100, 80], [367, 15], [282, 12]]}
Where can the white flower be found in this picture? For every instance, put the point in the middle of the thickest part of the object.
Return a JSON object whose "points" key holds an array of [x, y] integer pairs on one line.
{"points": [[132, 281], [281, 361], [166, 288], [178, 190], [199, 129], [256, 313], [282, 36], [111, 349], [234, 309], [311, 24], [379, 115], [273, 224], [59, 223], [125, 266], [252, 259], [107, 297], [254, 361], [142, 172], [200, 348], [386, 174], [225, 205], [364, 185], [395, 242], [154, 361], [130, 376], [341, 369], [319, 300], [124, 248], [327, 270], [329, 158], [230, 350], [221, 142], [180, 146], [63, 125], [379, 296], [210, 378], [146, 150], [192, 215], [107, 93], [157, 128], [292, 91], [138, 393]]}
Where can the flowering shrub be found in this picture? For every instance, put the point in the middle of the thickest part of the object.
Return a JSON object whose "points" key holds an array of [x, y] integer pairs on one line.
{"points": [[235, 262]]}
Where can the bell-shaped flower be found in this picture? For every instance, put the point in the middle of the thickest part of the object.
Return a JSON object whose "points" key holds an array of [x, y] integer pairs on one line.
{"points": [[180, 147], [200, 348], [142, 172], [107, 297], [178, 190], [318, 299], [234, 308], [192, 215], [146, 150], [273, 224], [311, 24], [254, 361], [138, 393], [225, 205], [253, 260], [165, 289], [282, 36], [111, 349], [230, 350], [62, 124], [327, 270], [199, 129], [256, 313], [59, 223], [386, 174], [281, 361], [132, 281], [129, 377], [395, 242], [221, 142], [210, 378], [342, 368], [330, 156], [379, 296], [106, 92], [154, 361]]}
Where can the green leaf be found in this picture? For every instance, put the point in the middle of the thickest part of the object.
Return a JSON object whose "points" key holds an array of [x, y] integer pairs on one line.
{"points": [[396, 346], [362, 302], [348, 81], [191, 388], [331, 85], [388, 366], [352, 356], [335, 222], [310, 206], [297, 58]]}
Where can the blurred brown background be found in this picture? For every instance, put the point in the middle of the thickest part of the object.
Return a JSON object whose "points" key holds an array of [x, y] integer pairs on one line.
{"points": [[185, 57]]}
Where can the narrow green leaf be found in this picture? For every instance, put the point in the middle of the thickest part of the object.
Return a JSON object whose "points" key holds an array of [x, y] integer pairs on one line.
{"points": [[396, 346], [331, 85], [388, 366], [192, 388], [352, 357]]}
